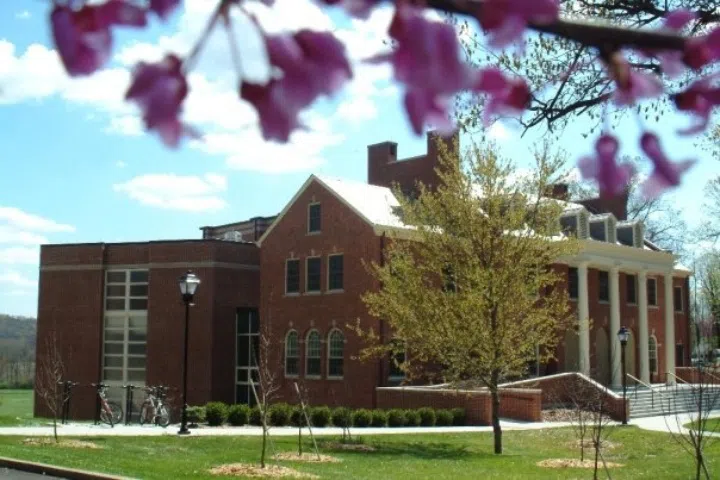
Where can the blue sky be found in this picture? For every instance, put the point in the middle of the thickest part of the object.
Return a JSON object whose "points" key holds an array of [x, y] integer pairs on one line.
{"points": [[78, 168]]}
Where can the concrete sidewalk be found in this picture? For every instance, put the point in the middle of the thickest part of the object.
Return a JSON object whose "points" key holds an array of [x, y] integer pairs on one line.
{"points": [[671, 423]]}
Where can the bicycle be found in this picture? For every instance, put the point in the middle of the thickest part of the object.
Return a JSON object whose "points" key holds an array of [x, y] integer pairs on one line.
{"points": [[110, 411], [153, 409]]}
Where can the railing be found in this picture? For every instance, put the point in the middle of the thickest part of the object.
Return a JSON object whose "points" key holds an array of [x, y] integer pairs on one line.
{"points": [[652, 390], [676, 378]]}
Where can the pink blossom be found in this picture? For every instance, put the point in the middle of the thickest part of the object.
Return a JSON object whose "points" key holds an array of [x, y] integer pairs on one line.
{"points": [[506, 20], [671, 62], [507, 96], [633, 85], [702, 50], [666, 174], [700, 98], [83, 36], [611, 177], [310, 64], [159, 90], [163, 8], [424, 108]]}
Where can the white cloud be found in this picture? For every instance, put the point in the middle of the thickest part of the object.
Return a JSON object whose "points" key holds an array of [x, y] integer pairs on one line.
{"points": [[498, 131], [13, 235], [120, 164], [16, 279], [24, 15], [177, 192], [125, 125], [27, 221], [357, 109], [20, 255]]}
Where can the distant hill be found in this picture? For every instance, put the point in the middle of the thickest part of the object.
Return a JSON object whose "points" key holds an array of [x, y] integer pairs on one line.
{"points": [[17, 337]]}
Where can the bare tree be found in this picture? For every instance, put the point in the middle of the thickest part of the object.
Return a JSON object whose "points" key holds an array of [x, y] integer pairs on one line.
{"points": [[700, 398], [267, 385], [49, 382]]}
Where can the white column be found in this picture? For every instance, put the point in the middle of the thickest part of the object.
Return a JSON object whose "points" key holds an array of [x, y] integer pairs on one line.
{"points": [[616, 379], [669, 329], [643, 337], [583, 320]]}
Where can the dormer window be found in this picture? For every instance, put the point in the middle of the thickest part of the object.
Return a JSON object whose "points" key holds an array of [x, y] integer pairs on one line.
{"points": [[576, 223], [314, 217], [603, 228], [631, 234]]}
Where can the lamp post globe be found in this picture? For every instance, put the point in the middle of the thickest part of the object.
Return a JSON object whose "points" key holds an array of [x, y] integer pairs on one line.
{"points": [[188, 286], [623, 335]]}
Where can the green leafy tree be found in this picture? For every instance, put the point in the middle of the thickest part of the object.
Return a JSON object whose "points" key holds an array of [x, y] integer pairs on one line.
{"points": [[470, 287]]}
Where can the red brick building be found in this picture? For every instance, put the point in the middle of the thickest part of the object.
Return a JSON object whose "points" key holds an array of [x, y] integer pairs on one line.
{"points": [[118, 314]]}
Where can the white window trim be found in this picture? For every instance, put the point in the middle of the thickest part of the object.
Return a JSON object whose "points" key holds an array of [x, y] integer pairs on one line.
{"points": [[656, 304], [327, 274], [297, 335], [682, 299], [653, 338], [307, 230], [327, 360], [307, 357], [307, 273], [292, 294]]}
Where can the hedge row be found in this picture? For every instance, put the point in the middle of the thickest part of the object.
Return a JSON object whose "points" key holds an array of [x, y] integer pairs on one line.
{"points": [[282, 414]]}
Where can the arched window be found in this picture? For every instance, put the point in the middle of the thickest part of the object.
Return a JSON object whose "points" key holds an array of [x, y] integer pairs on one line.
{"points": [[652, 354], [336, 353], [313, 354], [292, 354]]}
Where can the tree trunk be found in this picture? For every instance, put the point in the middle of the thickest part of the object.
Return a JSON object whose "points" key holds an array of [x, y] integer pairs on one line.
{"points": [[497, 431], [264, 446], [55, 428], [597, 453], [300, 441]]}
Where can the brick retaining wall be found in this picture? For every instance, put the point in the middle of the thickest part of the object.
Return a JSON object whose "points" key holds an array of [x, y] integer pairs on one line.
{"points": [[691, 375]]}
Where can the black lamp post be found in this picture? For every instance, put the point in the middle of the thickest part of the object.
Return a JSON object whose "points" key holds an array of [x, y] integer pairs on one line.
{"points": [[623, 335], [188, 285]]}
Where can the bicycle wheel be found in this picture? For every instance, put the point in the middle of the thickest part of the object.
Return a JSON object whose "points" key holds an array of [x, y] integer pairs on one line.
{"points": [[163, 416], [116, 411], [106, 415], [145, 414]]}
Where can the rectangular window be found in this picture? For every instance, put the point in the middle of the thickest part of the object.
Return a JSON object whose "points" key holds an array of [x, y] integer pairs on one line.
{"points": [[126, 290], [124, 348], [603, 286], [652, 292], [335, 272], [312, 282], [573, 283], [247, 343], [292, 276], [314, 223], [677, 299], [631, 289]]}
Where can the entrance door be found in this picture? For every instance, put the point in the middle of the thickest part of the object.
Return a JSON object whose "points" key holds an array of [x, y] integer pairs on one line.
{"points": [[247, 328], [679, 355]]}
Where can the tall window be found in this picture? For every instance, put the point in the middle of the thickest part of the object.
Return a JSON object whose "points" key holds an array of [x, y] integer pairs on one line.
{"points": [[313, 354], [292, 276], [125, 328], [603, 286], [397, 358], [573, 282], [312, 282], [652, 291], [292, 354], [247, 345], [335, 272], [336, 353], [677, 299], [652, 354], [314, 222], [631, 288]]}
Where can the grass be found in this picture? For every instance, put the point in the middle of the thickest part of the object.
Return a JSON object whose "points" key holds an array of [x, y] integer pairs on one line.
{"points": [[16, 408], [645, 454], [712, 425]]}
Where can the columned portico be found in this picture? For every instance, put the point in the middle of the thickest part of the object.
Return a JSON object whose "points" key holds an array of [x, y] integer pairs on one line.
{"points": [[615, 375], [669, 330], [583, 319], [643, 337]]}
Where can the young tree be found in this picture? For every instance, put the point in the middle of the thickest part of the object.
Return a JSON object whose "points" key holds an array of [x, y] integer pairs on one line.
{"points": [[463, 292], [267, 384], [49, 381]]}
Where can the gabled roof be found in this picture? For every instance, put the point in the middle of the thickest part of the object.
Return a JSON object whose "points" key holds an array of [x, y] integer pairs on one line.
{"points": [[375, 205]]}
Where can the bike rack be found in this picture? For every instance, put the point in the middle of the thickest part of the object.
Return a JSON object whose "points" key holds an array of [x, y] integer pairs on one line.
{"points": [[67, 396], [129, 403]]}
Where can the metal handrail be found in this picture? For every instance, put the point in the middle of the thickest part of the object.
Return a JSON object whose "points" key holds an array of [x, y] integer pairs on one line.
{"points": [[652, 390], [676, 377]]}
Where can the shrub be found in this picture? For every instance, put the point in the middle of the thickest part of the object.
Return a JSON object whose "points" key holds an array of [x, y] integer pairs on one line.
{"points": [[443, 418], [412, 418], [427, 417], [279, 414], [342, 417], [238, 415], [362, 418], [196, 414], [297, 417], [458, 416], [379, 418], [320, 416], [396, 417], [216, 413], [255, 418]]}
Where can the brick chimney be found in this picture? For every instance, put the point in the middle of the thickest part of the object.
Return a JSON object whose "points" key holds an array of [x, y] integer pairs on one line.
{"points": [[559, 191]]}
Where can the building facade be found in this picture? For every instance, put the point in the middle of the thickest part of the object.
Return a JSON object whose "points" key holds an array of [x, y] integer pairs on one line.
{"points": [[116, 313]]}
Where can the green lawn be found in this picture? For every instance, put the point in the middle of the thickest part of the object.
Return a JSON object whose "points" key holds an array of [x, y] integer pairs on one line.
{"points": [[712, 425], [652, 455], [16, 407]]}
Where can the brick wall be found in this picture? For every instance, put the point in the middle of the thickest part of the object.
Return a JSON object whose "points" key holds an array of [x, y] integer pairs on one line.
{"points": [[516, 404], [692, 375]]}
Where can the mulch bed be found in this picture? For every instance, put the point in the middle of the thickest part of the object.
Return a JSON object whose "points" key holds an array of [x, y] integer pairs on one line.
{"points": [[62, 442], [574, 463], [305, 457], [255, 471]]}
